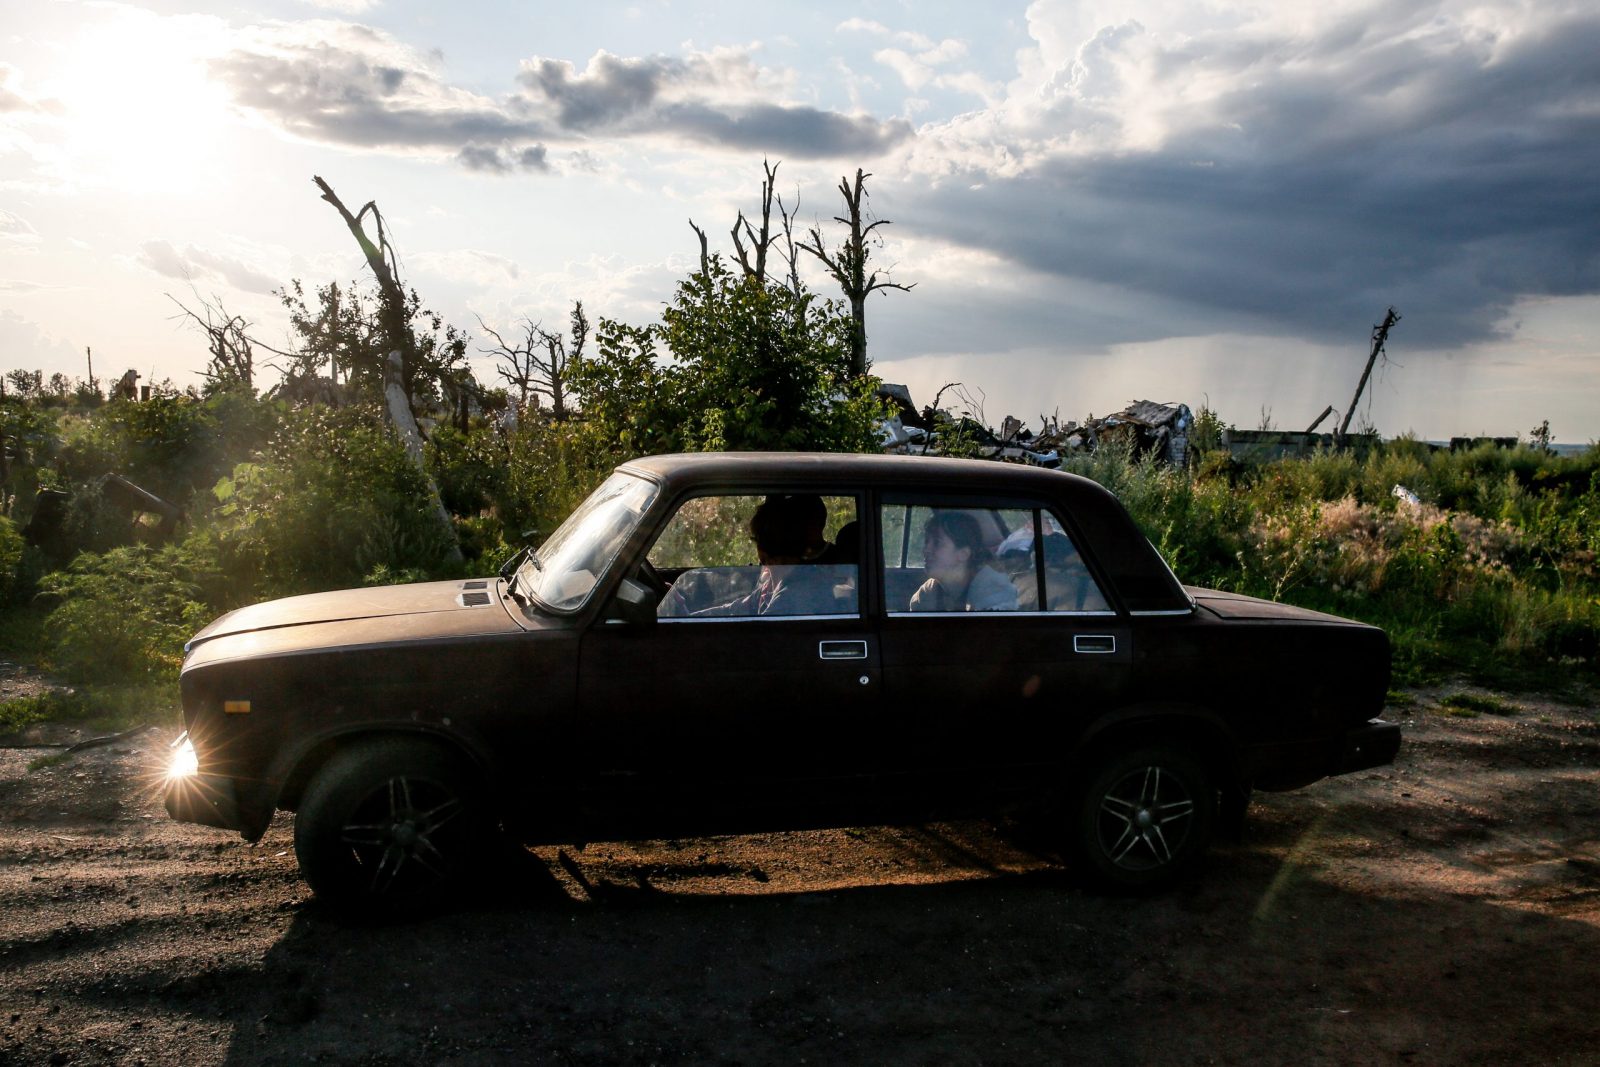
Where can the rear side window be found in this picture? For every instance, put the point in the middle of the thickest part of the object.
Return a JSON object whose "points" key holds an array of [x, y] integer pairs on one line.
{"points": [[974, 559]]}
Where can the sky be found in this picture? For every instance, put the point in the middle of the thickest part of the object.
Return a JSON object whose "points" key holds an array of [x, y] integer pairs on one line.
{"points": [[1208, 203]]}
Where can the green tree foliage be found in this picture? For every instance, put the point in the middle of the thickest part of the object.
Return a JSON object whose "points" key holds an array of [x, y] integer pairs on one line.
{"points": [[339, 331], [752, 366]]}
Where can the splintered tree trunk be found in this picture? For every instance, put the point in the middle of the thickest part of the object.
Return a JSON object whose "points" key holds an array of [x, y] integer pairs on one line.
{"points": [[397, 403], [405, 425]]}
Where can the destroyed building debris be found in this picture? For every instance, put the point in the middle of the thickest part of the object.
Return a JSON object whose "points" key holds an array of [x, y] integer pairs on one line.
{"points": [[1148, 427]]}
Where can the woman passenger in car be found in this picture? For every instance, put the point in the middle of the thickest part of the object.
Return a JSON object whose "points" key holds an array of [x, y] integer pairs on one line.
{"points": [[955, 560]]}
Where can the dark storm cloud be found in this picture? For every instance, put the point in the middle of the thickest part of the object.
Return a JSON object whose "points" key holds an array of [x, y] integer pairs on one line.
{"points": [[610, 90], [1370, 171]]}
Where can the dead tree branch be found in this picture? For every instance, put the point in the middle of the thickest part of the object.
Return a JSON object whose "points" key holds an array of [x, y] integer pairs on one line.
{"points": [[227, 339], [759, 241], [848, 264], [539, 364], [705, 252]]}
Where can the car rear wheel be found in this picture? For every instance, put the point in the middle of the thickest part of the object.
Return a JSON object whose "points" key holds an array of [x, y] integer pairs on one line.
{"points": [[1144, 817], [389, 828]]}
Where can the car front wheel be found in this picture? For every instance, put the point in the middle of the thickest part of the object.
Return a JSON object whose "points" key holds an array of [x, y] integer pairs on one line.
{"points": [[1145, 816], [389, 828]]}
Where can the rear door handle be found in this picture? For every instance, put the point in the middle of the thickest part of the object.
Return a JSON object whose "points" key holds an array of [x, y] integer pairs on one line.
{"points": [[842, 649], [1094, 643]]}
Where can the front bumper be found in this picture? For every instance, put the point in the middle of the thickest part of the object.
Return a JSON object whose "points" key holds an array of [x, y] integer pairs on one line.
{"points": [[1372, 745], [207, 799]]}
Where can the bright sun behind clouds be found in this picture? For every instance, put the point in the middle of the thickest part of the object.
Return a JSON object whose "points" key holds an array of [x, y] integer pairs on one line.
{"points": [[139, 111]]}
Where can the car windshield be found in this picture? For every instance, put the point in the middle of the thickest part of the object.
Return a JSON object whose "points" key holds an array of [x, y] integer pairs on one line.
{"points": [[564, 570]]}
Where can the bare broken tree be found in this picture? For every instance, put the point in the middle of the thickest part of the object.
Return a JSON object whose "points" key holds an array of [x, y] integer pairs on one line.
{"points": [[705, 251], [227, 338], [539, 364], [397, 333], [381, 258], [752, 257], [791, 251], [848, 264], [762, 240]]}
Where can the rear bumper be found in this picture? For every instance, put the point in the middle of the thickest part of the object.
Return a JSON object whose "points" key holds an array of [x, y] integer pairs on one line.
{"points": [[1291, 765], [1372, 745]]}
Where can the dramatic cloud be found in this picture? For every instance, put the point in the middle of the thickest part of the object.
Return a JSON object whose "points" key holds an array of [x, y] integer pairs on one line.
{"points": [[1291, 179], [351, 85], [717, 98], [345, 84], [194, 264]]}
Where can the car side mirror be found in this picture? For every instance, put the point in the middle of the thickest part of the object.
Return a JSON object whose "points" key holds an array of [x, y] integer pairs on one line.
{"points": [[633, 603]]}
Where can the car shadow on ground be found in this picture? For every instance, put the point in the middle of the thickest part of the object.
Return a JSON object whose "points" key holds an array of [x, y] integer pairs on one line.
{"points": [[637, 956]]}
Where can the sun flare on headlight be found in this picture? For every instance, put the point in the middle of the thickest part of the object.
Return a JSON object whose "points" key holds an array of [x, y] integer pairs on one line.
{"points": [[185, 762]]}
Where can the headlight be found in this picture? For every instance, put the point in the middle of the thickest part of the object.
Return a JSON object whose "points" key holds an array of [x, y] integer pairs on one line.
{"points": [[185, 761]]}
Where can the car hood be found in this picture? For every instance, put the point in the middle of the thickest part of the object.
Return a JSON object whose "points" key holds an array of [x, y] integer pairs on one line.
{"points": [[479, 598], [1237, 606]]}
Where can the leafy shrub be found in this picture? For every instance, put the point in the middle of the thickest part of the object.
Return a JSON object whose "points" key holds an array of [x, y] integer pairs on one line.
{"points": [[20, 565], [19, 713], [469, 468], [334, 498], [124, 615]]}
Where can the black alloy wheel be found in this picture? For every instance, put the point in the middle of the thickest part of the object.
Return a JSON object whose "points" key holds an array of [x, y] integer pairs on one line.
{"points": [[1144, 818], [389, 828]]}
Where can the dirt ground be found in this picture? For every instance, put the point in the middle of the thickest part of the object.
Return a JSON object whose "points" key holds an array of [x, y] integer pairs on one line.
{"points": [[1445, 910]]}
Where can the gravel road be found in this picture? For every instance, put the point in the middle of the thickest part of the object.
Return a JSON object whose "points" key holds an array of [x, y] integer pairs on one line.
{"points": [[1445, 910]]}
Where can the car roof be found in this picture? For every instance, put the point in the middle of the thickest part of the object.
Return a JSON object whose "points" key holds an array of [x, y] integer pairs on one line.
{"points": [[734, 468]]}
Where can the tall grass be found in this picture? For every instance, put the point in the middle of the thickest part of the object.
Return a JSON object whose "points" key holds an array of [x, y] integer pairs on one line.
{"points": [[1492, 573]]}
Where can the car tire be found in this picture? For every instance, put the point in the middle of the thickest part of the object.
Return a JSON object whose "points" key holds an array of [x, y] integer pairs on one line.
{"points": [[1142, 819], [390, 828]]}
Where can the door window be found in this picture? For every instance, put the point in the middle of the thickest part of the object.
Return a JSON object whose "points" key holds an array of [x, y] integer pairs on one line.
{"points": [[973, 558], [759, 556]]}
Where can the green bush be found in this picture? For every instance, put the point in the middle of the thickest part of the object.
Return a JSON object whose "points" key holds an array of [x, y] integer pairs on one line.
{"points": [[334, 498], [123, 615], [20, 566], [19, 713]]}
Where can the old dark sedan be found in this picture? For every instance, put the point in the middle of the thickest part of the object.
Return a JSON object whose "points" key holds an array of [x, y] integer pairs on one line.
{"points": [[724, 642]]}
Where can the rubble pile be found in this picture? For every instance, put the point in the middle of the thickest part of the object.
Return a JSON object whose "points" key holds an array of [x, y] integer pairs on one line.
{"points": [[1150, 427]]}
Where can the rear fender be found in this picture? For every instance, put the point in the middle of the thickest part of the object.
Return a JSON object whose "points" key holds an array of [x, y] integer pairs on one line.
{"points": [[1194, 728]]}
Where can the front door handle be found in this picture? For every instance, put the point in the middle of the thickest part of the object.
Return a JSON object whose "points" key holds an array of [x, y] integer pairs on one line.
{"points": [[841, 649], [1100, 643]]}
